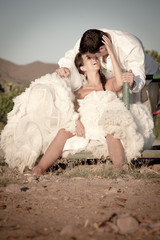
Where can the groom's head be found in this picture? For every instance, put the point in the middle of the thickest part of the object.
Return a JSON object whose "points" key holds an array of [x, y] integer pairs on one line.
{"points": [[91, 42]]}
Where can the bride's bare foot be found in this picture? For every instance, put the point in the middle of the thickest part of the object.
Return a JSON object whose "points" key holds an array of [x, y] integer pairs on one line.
{"points": [[118, 167], [37, 171]]}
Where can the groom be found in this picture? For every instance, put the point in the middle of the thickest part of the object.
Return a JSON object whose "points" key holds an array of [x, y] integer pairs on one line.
{"points": [[130, 54]]}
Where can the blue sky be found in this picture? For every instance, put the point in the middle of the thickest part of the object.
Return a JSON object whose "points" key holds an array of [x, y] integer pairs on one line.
{"points": [[43, 30]]}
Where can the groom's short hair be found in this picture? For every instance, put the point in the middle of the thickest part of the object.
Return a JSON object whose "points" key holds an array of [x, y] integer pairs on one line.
{"points": [[91, 41]]}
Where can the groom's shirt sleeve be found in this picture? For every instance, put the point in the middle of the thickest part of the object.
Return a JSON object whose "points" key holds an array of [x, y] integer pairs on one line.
{"points": [[68, 60]]}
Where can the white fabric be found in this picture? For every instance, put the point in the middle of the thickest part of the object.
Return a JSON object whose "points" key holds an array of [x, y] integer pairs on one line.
{"points": [[38, 113], [47, 106], [103, 113], [129, 52]]}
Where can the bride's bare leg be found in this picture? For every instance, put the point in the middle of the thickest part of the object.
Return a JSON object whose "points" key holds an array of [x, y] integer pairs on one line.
{"points": [[116, 151], [53, 152]]}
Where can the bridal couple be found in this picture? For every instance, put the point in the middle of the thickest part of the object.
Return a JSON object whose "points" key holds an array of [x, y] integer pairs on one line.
{"points": [[79, 107]]}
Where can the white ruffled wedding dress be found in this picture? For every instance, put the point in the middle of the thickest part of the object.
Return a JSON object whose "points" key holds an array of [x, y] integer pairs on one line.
{"points": [[47, 106], [102, 113], [38, 113]]}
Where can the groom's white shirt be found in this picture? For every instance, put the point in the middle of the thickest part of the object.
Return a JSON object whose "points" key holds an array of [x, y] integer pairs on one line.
{"points": [[129, 52]]}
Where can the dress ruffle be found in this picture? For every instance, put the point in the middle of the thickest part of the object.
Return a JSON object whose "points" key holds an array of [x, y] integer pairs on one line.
{"points": [[104, 113], [47, 106], [38, 113]]}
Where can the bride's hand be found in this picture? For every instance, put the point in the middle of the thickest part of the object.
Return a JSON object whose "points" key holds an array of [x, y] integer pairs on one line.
{"points": [[107, 42], [63, 72], [80, 130]]}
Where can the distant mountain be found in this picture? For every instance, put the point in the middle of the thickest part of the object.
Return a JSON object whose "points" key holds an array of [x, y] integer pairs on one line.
{"points": [[22, 75]]}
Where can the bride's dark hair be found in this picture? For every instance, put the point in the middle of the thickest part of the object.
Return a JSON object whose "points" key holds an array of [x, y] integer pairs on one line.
{"points": [[78, 61]]}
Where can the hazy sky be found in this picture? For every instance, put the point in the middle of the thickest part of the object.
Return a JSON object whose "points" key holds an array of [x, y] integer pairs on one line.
{"points": [[43, 30]]}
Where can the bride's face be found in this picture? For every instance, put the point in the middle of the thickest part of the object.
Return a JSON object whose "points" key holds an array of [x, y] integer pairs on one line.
{"points": [[90, 62]]}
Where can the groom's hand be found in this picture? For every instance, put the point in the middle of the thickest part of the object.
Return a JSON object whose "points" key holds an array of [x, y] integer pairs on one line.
{"points": [[128, 77], [63, 72]]}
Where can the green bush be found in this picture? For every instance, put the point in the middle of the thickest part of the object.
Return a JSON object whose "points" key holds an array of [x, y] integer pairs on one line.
{"points": [[157, 127], [6, 100], [154, 54]]}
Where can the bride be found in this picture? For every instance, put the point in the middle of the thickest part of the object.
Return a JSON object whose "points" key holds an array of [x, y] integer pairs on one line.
{"points": [[49, 119]]}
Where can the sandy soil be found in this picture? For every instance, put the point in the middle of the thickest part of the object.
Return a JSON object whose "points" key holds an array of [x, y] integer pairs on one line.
{"points": [[77, 208]]}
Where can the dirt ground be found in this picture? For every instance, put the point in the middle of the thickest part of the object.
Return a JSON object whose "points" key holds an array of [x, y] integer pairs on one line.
{"points": [[71, 206], [84, 202]]}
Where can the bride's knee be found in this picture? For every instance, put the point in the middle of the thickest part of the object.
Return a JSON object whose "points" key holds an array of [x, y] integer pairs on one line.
{"points": [[110, 138], [64, 133]]}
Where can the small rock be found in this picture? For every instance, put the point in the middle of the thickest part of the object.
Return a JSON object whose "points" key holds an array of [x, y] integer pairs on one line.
{"points": [[111, 190], [32, 178], [14, 188], [78, 178], [125, 167], [127, 224], [2, 169], [28, 208], [68, 230], [24, 189], [156, 167], [3, 206], [155, 225], [86, 224]]}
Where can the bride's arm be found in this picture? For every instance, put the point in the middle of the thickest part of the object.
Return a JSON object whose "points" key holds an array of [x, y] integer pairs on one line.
{"points": [[120, 77]]}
